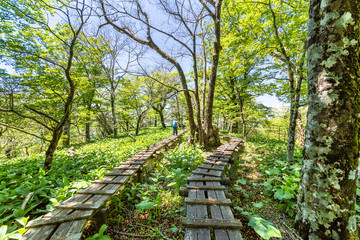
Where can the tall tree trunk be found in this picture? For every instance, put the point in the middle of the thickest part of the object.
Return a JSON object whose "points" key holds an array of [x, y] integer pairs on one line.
{"points": [[162, 119], [66, 140], [57, 130], [138, 125], [327, 191], [301, 131], [235, 124], [212, 138], [87, 130], [294, 111], [112, 101]]}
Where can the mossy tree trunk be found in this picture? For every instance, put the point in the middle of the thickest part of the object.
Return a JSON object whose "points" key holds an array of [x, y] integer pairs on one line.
{"points": [[326, 200]]}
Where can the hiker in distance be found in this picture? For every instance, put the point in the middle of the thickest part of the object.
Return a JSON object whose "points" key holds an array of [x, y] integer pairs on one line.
{"points": [[175, 125]]}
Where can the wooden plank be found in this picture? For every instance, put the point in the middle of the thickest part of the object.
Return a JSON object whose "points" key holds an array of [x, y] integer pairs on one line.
{"points": [[120, 173], [124, 167], [97, 192], [132, 162], [191, 178], [30, 234], [218, 163], [77, 215], [117, 180], [209, 166], [206, 187], [218, 174], [93, 203], [211, 223], [69, 231], [222, 202], [41, 233], [76, 236], [57, 212], [220, 234]]}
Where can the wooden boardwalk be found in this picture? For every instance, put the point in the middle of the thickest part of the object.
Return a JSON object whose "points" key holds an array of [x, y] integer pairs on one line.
{"points": [[208, 212], [68, 220]]}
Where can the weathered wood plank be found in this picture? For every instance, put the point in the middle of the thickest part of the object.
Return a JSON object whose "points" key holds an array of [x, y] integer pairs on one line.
{"points": [[211, 167], [128, 167], [212, 174], [39, 233], [77, 215], [191, 178], [120, 173], [222, 202], [206, 187], [218, 163], [92, 204], [69, 231], [211, 223]]}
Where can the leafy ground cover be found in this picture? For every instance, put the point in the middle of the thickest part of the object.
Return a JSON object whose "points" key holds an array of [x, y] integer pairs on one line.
{"points": [[26, 191], [266, 189], [153, 209], [265, 192]]}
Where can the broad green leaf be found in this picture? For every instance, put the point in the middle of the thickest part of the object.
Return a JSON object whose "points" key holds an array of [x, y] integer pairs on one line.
{"points": [[145, 205]]}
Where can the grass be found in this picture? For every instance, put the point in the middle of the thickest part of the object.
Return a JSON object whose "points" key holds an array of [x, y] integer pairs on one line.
{"points": [[24, 176], [153, 209]]}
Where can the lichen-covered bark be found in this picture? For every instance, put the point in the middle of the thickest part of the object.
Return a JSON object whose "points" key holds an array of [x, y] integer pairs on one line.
{"points": [[326, 201]]}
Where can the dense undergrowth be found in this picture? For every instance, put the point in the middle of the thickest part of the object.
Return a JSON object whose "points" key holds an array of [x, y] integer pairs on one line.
{"points": [[266, 189], [26, 191], [152, 210]]}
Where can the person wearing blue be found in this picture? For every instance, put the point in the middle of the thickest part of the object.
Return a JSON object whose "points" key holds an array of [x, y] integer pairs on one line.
{"points": [[174, 125]]}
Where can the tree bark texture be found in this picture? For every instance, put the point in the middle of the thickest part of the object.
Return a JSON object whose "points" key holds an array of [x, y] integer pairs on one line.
{"points": [[66, 140], [326, 200], [301, 131], [112, 101], [211, 137]]}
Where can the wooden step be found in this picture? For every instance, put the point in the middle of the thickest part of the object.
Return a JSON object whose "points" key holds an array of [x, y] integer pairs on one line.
{"points": [[218, 163], [119, 173], [127, 167], [206, 187], [204, 179], [89, 205], [60, 219], [218, 174], [97, 192], [202, 201], [219, 168], [211, 223], [122, 181]]}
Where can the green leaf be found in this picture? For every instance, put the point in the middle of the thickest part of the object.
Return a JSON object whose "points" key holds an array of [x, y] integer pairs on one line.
{"points": [[272, 232], [258, 205], [102, 229], [22, 220], [241, 181], [3, 230], [145, 205], [282, 194], [174, 229], [66, 182]]}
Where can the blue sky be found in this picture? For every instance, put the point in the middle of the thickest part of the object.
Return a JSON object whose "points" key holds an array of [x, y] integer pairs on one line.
{"points": [[270, 101]]}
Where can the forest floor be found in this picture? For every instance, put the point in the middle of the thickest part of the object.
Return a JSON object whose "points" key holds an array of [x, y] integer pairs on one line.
{"points": [[264, 192], [249, 197], [153, 209]]}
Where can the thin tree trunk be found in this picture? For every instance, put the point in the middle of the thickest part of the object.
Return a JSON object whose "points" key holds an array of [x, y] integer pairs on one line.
{"points": [[57, 132], [327, 190], [162, 119], [301, 131], [66, 140], [112, 101], [212, 138]]}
